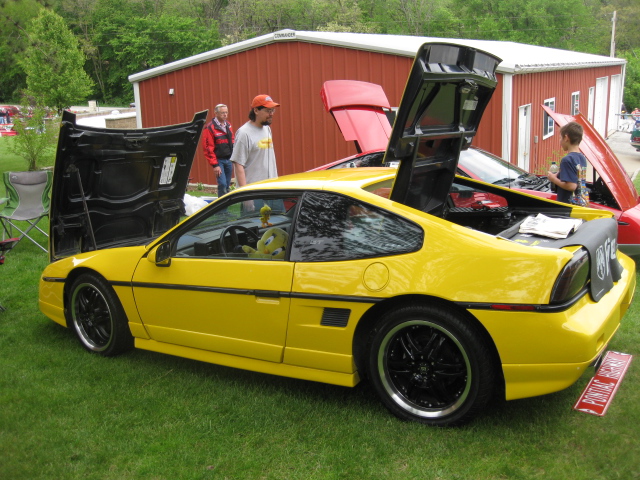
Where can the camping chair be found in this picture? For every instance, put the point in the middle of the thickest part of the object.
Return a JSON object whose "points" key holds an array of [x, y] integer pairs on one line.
{"points": [[27, 201], [5, 246]]}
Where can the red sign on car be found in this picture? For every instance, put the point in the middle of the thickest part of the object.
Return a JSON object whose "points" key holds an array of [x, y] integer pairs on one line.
{"points": [[597, 397]]}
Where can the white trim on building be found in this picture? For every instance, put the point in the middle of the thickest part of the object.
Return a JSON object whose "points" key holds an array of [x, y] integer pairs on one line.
{"points": [[516, 58], [507, 120]]}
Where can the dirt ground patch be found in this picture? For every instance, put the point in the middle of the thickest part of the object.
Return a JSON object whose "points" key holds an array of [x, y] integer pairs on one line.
{"points": [[204, 189]]}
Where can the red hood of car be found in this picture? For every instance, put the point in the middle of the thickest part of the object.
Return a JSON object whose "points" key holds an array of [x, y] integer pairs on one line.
{"points": [[603, 160], [358, 109]]}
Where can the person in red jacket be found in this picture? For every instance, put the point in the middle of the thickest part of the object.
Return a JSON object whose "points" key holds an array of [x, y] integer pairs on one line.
{"points": [[218, 145]]}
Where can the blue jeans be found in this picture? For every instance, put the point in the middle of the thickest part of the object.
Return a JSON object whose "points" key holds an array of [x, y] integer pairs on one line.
{"points": [[224, 180]]}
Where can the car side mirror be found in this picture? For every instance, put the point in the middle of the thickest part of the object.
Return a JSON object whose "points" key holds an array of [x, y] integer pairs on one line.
{"points": [[160, 255]]}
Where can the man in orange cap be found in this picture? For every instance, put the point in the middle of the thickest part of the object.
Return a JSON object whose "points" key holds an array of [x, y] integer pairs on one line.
{"points": [[253, 156]]}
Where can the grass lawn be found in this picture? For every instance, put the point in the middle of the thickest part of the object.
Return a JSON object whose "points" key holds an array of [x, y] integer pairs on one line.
{"points": [[67, 414]]}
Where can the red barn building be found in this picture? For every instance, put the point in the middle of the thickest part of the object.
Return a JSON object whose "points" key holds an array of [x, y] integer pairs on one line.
{"points": [[291, 66]]}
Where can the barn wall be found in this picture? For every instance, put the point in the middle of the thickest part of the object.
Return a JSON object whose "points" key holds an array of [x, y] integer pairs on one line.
{"points": [[305, 135], [534, 89], [489, 136]]}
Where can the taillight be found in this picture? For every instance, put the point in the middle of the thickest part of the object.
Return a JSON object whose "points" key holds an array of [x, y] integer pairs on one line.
{"points": [[573, 278]]}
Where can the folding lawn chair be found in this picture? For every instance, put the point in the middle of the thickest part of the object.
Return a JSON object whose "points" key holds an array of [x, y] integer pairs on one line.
{"points": [[27, 201], [5, 246]]}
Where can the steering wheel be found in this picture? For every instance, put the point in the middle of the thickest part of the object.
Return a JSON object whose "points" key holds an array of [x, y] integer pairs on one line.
{"points": [[233, 231]]}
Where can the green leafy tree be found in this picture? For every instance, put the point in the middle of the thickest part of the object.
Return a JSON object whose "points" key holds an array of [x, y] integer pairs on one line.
{"points": [[14, 16], [632, 83], [419, 17], [96, 23], [205, 12], [243, 19], [81, 16], [151, 41], [37, 137], [348, 17], [54, 64], [627, 30], [569, 25]]}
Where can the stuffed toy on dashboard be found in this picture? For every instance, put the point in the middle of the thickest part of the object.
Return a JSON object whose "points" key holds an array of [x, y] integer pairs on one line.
{"points": [[265, 214], [272, 245]]}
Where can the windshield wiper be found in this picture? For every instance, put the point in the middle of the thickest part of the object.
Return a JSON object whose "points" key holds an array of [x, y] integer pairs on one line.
{"points": [[502, 181]]}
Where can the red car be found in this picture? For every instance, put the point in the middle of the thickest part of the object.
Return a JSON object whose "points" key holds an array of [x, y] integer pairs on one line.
{"points": [[361, 111], [6, 129], [12, 109]]}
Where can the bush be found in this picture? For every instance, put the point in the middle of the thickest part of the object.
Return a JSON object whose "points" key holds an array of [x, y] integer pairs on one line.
{"points": [[37, 138]]}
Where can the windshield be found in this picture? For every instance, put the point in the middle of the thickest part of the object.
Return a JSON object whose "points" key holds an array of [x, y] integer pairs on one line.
{"points": [[484, 166]]}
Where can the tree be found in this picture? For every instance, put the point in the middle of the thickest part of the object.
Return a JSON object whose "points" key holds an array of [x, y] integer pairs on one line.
{"points": [[627, 31], [632, 86], [151, 41], [420, 17], [14, 16], [37, 137], [347, 17], [54, 64]]}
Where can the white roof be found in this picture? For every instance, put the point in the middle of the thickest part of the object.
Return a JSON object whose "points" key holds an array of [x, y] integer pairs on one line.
{"points": [[100, 121], [516, 57]]}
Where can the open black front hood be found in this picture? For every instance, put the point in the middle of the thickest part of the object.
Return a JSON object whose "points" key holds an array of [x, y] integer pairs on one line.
{"points": [[447, 91], [116, 187]]}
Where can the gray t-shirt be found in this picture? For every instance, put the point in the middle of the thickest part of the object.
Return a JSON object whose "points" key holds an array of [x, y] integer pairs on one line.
{"points": [[253, 149]]}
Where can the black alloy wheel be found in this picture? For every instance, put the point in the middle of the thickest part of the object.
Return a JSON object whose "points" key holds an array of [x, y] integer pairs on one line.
{"points": [[97, 317], [430, 365]]}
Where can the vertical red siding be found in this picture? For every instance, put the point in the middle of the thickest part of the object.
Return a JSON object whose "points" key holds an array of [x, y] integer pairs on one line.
{"points": [[489, 135], [534, 89], [305, 135]]}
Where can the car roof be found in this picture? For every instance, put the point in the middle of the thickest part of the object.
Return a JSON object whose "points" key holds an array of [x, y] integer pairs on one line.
{"points": [[338, 179]]}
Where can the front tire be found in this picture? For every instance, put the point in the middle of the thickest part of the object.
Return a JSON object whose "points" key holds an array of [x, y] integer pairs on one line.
{"points": [[431, 366], [96, 316]]}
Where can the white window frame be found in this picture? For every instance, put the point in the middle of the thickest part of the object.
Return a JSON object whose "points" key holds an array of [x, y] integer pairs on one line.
{"points": [[575, 103], [548, 124]]}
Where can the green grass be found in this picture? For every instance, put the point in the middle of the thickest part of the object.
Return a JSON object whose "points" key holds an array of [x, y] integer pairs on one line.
{"points": [[67, 414]]}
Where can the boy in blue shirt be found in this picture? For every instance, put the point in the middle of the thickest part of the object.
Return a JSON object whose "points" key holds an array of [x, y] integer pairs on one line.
{"points": [[568, 178]]}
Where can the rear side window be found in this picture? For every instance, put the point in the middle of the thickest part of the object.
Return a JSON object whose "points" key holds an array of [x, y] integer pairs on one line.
{"points": [[332, 227]]}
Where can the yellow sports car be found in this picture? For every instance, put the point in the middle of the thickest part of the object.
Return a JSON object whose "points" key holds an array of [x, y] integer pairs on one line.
{"points": [[442, 291]]}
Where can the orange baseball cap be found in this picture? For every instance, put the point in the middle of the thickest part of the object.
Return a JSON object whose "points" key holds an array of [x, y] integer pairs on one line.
{"points": [[264, 101]]}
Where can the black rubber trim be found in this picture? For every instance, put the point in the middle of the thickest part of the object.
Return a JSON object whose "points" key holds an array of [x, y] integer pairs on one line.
{"points": [[335, 298], [257, 293], [54, 279]]}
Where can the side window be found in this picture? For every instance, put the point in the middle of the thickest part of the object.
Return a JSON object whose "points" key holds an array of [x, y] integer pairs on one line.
{"points": [[256, 229], [575, 103], [331, 227], [547, 121]]}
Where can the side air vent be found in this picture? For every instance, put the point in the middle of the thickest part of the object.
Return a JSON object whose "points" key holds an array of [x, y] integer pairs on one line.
{"points": [[335, 317]]}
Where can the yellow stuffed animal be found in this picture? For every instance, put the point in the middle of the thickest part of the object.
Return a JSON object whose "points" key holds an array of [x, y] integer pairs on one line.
{"points": [[272, 245], [265, 214]]}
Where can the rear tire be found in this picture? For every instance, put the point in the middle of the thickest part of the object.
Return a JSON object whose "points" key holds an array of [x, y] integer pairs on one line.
{"points": [[430, 365], [96, 316]]}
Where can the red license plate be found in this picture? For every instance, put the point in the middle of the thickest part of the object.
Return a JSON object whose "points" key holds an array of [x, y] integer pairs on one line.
{"points": [[598, 394]]}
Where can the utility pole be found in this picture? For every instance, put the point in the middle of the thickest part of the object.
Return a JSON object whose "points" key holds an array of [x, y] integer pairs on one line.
{"points": [[613, 35]]}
